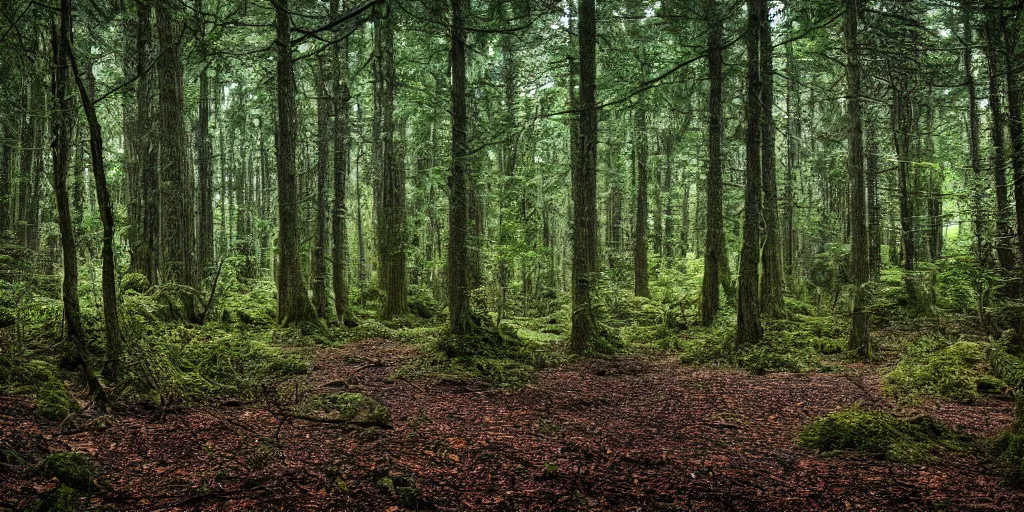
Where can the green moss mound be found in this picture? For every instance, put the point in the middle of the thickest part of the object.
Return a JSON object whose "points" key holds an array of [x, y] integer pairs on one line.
{"points": [[880, 434], [74, 469], [194, 366], [1006, 366], [352, 408], [933, 368], [53, 402]]}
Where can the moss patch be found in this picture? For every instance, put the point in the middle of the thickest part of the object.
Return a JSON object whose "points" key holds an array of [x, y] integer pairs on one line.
{"points": [[881, 435], [74, 469], [352, 408], [53, 402], [933, 368]]}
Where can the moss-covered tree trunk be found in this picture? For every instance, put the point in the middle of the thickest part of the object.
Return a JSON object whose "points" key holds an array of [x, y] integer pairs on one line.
{"points": [[339, 211]]}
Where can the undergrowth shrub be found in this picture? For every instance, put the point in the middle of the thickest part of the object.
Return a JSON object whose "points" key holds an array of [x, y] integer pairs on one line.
{"points": [[933, 367], [880, 434]]}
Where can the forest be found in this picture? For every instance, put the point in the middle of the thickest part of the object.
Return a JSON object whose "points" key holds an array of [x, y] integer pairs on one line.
{"points": [[511, 255]]}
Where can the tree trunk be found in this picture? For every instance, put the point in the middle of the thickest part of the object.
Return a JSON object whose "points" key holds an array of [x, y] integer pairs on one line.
{"points": [[771, 257], [318, 262], [641, 288], [1011, 39], [460, 320], [6, 159], [792, 157], [668, 242], [204, 153], [860, 343], [339, 212], [62, 116], [584, 189], [748, 323], [176, 204], [1004, 244], [975, 180], [293, 305], [902, 124], [390, 170], [874, 209], [714, 245]]}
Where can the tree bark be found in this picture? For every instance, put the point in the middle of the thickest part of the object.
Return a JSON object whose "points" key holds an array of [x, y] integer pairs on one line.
{"points": [[390, 178], [204, 153], [176, 201], [1004, 236], [460, 320], [318, 261], [584, 189], [1011, 65], [714, 244], [63, 116], [976, 180], [771, 257], [748, 323], [860, 342], [293, 305], [641, 287], [339, 212]]}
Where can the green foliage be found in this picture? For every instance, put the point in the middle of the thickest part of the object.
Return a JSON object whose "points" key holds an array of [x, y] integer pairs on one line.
{"points": [[794, 345], [932, 367], [765, 358], [191, 366], [880, 434], [74, 469], [53, 402], [1006, 366], [255, 307], [352, 408], [135, 282]]}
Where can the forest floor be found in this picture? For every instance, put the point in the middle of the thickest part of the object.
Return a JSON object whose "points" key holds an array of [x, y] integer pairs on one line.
{"points": [[640, 432]]}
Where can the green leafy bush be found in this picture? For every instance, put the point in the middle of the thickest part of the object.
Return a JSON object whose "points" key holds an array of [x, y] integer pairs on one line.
{"points": [[880, 434]]}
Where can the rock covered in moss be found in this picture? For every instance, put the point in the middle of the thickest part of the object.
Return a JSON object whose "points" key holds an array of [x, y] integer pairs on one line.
{"points": [[73, 469], [879, 434], [53, 402], [352, 408]]}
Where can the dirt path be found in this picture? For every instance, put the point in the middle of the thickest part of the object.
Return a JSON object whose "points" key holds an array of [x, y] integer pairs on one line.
{"points": [[630, 434]]}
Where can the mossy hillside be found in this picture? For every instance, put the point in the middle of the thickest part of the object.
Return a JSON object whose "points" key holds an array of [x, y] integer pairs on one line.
{"points": [[934, 367], [881, 435]]}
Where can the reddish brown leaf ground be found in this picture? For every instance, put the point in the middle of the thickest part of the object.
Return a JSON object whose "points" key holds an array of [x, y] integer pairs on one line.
{"points": [[628, 434]]}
